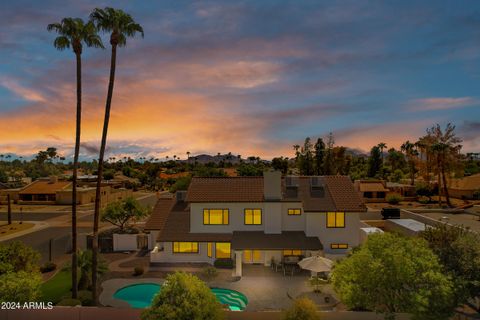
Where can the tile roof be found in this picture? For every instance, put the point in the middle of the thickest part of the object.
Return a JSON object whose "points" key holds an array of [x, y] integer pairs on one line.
{"points": [[159, 215], [44, 187], [372, 186], [268, 241], [225, 189], [343, 193]]}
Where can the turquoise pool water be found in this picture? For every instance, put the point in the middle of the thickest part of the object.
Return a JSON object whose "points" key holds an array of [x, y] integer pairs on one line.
{"points": [[141, 295]]}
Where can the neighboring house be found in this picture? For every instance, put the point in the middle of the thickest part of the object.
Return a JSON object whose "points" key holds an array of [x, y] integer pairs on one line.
{"points": [[3, 186], [465, 188], [371, 190], [407, 191], [54, 191], [255, 219]]}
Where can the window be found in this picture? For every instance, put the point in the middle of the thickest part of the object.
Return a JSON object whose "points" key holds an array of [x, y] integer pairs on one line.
{"points": [[335, 219], [339, 246], [294, 212], [292, 252], [253, 216], [185, 247], [215, 216], [209, 249], [222, 250]]}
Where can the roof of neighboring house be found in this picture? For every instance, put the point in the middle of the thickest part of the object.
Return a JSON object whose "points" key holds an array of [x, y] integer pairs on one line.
{"points": [[466, 183], [284, 240], [44, 187], [3, 186], [225, 189], [163, 175], [172, 219], [339, 194], [399, 185], [231, 172], [372, 186]]}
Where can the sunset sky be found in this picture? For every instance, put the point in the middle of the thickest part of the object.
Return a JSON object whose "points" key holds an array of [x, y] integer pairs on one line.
{"points": [[247, 77]]}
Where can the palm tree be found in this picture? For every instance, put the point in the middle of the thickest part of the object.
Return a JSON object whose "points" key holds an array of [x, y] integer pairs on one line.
{"points": [[411, 153], [382, 145], [74, 33], [120, 25]]}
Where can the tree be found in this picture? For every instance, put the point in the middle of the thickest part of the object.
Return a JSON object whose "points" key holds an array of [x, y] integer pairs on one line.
{"points": [[3, 176], [395, 159], [459, 252], [74, 33], [280, 164], [184, 297], [20, 278], [85, 268], [121, 213], [20, 287], [302, 309], [329, 159], [181, 183], [110, 174], [382, 146], [411, 153], [120, 25], [446, 149], [374, 162], [247, 169], [319, 150], [390, 274]]}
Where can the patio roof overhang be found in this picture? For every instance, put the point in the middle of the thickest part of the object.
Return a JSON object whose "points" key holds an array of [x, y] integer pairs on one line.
{"points": [[280, 241]]}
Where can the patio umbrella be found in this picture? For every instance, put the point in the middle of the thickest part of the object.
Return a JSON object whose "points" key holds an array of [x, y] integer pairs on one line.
{"points": [[316, 264]]}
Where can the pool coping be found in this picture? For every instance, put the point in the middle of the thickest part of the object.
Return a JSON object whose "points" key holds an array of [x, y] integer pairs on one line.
{"points": [[111, 286]]}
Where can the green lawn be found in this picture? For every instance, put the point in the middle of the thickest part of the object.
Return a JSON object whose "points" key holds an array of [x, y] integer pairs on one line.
{"points": [[57, 287]]}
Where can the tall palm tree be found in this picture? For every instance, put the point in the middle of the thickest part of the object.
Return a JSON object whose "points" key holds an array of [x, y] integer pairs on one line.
{"points": [[382, 145], [411, 153], [120, 25], [74, 33]]}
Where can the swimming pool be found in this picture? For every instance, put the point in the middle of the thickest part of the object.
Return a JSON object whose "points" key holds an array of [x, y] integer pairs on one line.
{"points": [[140, 295]]}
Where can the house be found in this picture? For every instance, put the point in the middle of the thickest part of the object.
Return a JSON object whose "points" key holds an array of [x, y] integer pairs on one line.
{"points": [[407, 191], [371, 190], [255, 219], [465, 188], [54, 191]]}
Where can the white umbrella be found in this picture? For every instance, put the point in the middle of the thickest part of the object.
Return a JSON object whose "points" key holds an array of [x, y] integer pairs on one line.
{"points": [[316, 264]]}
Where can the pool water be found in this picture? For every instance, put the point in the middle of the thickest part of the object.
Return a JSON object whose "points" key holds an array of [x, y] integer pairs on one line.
{"points": [[141, 296]]}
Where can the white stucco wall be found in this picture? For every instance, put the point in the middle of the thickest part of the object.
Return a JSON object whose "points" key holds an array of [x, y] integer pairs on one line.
{"points": [[165, 254], [317, 226]]}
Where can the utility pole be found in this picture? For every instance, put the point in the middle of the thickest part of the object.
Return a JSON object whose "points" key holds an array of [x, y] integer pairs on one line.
{"points": [[9, 210]]}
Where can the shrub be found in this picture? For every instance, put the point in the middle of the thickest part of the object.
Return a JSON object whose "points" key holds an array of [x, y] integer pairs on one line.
{"points": [[210, 272], [302, 309], [184, 297], [85, 297], [69, 302], [394, 198], [138, 271], [225, 263], [48, 266]]}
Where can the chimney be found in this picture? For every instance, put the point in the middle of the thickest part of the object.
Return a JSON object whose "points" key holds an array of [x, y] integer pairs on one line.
{"points": [[272, 185], [53, 179], [180, 195]]}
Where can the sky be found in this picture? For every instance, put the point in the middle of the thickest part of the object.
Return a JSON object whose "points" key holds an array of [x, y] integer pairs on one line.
{"points": [[247, 77]]}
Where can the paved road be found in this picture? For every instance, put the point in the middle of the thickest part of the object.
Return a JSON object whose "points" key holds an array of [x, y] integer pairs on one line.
{"points": [[60, 228]]}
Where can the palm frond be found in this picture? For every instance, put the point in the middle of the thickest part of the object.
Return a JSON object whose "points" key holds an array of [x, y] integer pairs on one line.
{"points": [[61, 43]]}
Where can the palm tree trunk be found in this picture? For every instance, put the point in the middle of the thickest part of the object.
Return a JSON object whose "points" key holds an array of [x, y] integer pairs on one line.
{"points": [[74, 178], [100, 174], [445, 188], [439, 183]]}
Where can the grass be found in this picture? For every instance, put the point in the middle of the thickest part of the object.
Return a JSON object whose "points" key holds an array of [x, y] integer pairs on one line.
{"points": [[57, 287], [6, 229]]}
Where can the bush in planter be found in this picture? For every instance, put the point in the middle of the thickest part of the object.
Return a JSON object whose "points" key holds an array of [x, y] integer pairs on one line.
{"points": [[210, 272], [394, 198], [225, 263], [302, 309], [69, 302], [48, 266], [137, 271]]}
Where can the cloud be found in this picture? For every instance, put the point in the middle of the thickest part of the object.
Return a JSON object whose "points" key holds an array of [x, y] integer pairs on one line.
{"points": [[439, 103], [21, 91]]}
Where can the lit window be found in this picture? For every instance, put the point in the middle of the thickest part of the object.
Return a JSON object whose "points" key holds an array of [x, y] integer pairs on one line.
{"points": [[222, 250], [253, 216], [339, 246], [209, 249], [292, 252], [335, 219], [294, 212], [215, 216], [185, 247]]}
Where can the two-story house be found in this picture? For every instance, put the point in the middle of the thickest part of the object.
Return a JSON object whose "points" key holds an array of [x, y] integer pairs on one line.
{"points": [[256, 219]]}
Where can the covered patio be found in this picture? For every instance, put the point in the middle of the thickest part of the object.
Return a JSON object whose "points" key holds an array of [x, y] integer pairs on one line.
{"points": [[282, 250]]}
